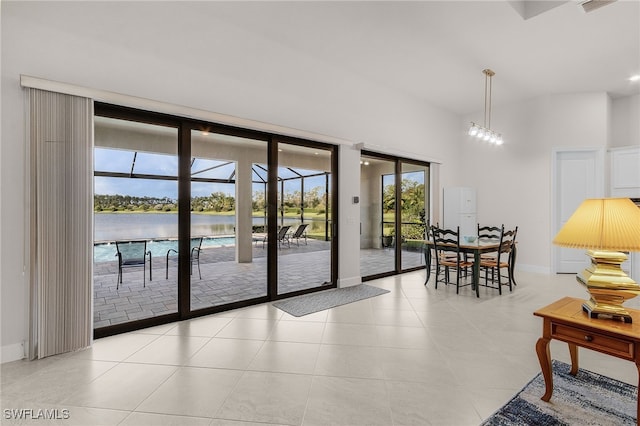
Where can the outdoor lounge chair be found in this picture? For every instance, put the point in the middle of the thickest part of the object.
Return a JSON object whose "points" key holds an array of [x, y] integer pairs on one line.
{"points": [[282, 236], [133, 254], [300, 233], [194, 256]]}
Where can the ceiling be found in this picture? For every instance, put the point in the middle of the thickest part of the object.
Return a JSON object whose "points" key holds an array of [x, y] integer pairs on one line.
{"points": [[436, 50]]}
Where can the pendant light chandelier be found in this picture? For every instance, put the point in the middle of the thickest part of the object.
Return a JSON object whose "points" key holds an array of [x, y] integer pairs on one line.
{"points": [[484, 132]]}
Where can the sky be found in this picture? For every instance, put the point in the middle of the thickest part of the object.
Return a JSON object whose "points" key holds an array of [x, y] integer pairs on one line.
{"points": [[120, 161]]}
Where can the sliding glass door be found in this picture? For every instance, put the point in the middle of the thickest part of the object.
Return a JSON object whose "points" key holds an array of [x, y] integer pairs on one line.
{"points": [[413, 213], [135, 220], [377, 216], [393, 213], [192, 218], [304, 242], [227, 257]]}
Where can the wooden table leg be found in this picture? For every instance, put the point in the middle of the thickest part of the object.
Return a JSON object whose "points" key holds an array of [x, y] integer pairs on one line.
{"points": [[573, 352], [638, 401], [542, 349]]}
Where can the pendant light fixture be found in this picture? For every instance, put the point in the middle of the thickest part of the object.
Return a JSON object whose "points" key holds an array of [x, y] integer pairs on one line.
{"points": [[484, 132]]}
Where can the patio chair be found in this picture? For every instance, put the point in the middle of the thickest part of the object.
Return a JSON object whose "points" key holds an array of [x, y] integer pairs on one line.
{"points": [[282, 236], [194, 256], [133, 254], [300, 233]]}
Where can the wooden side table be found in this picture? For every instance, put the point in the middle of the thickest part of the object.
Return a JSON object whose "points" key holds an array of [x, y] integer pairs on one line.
{"points": [[564, 320]]}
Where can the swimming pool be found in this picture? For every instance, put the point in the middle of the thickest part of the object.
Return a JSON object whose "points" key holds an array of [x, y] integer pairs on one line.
{"points": [[106, 252]]}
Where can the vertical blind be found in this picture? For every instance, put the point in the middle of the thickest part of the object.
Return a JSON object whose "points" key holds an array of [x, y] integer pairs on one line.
{"points": [[60, 224]]}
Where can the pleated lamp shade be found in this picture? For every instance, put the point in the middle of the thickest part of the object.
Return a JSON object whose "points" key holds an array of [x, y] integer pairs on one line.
{"points": [[602, 224]]}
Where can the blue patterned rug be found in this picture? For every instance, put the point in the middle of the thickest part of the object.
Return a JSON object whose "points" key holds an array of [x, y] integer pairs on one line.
{"points": [[586, 399], [315, 302]]}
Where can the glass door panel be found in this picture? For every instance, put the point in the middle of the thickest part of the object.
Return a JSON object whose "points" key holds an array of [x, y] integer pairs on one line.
{"points": [[228, 257], [304, 212], [135, 220], [377, 216], [414, 181]]}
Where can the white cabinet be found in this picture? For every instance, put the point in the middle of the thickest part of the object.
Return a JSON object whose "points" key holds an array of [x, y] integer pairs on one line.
{"points": [[625, 172], [459, 209], [625, 182]]}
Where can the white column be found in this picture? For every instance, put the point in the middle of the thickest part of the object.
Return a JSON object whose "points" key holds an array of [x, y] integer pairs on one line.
{"points": [[349, 216], [243, 210]]}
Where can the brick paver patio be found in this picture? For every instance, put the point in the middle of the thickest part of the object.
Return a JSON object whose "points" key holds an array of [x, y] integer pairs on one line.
{"points": [[223, 279]]}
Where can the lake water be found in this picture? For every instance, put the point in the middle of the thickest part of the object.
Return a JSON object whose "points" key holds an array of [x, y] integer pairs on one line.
{"points": [[132, 226], [161, 230]]}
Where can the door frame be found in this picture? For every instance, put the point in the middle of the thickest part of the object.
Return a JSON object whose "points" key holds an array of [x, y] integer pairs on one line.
{"points": [[185, 126], [598, 154]]}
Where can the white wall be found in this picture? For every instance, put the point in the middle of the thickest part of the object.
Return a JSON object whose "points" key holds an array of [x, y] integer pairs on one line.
{"points": [[126, 48], [146, 50], [514, 180], [626, 121]]}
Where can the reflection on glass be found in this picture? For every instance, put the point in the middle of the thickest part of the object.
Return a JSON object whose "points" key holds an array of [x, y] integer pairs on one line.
{"points": [[136, 192]]}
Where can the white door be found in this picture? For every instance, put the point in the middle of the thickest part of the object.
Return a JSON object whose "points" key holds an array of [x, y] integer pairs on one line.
{"points": [[579, 174]]}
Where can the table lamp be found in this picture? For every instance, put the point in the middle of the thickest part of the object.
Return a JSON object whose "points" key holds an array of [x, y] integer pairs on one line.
{"points": [[606, 227]]}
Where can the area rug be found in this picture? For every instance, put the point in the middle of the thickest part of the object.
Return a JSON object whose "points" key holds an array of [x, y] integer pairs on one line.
{"points": [[586, 399], [316, 302]]}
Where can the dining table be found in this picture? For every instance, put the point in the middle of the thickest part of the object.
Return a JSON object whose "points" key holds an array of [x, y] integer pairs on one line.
{"points": [[476, 248]]}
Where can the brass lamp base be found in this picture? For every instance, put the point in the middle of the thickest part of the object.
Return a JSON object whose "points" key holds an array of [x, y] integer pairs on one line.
{"points": [[594, 310], [608, 286]]}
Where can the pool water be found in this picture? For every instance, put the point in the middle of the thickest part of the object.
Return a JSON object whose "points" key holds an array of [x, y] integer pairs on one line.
{"points": [[106, 252]]}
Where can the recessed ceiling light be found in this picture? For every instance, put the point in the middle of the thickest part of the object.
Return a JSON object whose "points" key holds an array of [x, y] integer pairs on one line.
{"points": [[635, 77]]}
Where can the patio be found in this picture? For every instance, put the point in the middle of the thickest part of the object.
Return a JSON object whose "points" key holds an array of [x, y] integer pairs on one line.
{"points": [[223, 279]]}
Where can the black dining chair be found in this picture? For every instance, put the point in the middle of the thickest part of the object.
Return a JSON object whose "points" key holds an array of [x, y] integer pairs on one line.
{"points": [[503, 259], [490, 234], [448, 256]]}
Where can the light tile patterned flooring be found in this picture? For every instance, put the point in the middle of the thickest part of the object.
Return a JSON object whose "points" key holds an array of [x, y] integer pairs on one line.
{"points": [[415, 356]]}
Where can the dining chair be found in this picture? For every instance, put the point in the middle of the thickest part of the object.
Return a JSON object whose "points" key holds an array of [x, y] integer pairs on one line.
{"points": [[448, 256], [503, 259], [429, 253], [490, 234]]}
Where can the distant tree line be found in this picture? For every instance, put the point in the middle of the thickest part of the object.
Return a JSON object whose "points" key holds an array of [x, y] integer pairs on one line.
{"points": [[117, 202], [314, 201]]}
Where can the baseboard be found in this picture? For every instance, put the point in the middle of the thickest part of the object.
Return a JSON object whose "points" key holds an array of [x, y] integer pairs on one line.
{"points": [[349, 282], [13, 352]]}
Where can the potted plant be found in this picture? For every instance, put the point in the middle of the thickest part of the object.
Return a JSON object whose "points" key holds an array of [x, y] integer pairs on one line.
{"points": [[387, 238]]}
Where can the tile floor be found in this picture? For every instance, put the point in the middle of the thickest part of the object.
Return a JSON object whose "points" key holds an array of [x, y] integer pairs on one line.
{"points": [[413, 356]]}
